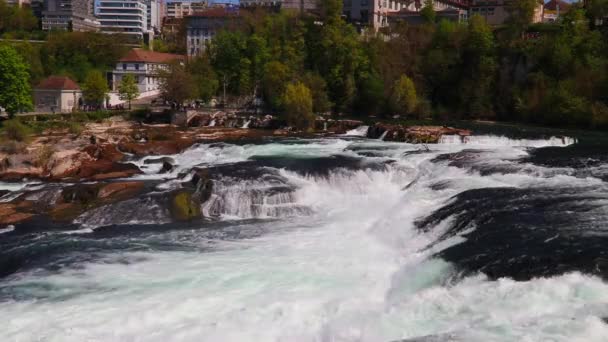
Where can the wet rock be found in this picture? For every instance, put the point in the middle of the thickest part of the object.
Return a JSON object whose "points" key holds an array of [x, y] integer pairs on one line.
{"points": [[413, 134], [337, 126], [166, 168], [10, 213], [120, 189], [202, 184], [185, 206], [160, 160], [172, 146]]}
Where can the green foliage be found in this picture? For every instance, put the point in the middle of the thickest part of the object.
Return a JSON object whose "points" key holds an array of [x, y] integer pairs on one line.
{"points": [[297, 103], [428, 12], [177, 84], [404, 97], [95, 88], [16, 18], [318, 88], [276, 77], [205, 78], [128, 89], [15, 91], [75, 128], [15, 130]]}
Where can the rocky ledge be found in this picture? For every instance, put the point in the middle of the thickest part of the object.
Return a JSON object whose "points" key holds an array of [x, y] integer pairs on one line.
{"points": [[413, 134]]}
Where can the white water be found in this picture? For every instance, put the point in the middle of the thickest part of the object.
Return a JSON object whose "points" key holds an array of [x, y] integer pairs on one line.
{"points": [[360, 131], [352, 270], [212, 123], [381, 138], [488, 140], [246, 124]]}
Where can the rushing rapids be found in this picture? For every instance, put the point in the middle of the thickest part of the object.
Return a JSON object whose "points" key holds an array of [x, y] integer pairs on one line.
{"points": [[477, 238]]}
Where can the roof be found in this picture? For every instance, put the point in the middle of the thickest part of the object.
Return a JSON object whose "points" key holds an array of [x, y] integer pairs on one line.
{"points": [[552, 5], [58, 83], [139, 55]]}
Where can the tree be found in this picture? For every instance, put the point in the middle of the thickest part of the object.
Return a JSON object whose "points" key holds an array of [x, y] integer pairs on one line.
{"points": [[404, 96], [226, 52], [428, 11], [276, 77], [177, 85], [128, 89], [297, 104], [15, 91], [318, 88], [205, 77], [521, 14], [95, 88]]}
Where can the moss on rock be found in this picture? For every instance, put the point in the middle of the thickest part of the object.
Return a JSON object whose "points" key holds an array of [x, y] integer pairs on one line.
{"points": [[185, 206]]}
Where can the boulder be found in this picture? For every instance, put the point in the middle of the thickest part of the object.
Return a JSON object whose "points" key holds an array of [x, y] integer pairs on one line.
{"points": [[11, 213], [413, 134], [120, 190], [185, 206], [203, 185], [166, 168]]}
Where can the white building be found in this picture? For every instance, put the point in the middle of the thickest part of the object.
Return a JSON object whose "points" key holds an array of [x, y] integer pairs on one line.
{"points": [[123, 16], [180, 9], [202, 27], [153, 15], [145, 66], [375, 13]]}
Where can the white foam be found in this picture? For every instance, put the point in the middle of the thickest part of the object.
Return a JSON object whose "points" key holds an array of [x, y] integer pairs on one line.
{"points": [[354, 269], [501, 141], [360, 131]]}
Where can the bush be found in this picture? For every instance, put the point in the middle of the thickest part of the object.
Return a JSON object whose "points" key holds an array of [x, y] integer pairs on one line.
{"points": [[600, 115], [15, 130], [44, 156], [75, 128]]}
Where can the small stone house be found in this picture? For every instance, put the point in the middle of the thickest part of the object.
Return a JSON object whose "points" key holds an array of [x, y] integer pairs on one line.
{"points": [[57, 94]]}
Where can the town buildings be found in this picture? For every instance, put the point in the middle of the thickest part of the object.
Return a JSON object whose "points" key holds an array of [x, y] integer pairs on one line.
{"points": [[496, 12], [57, 94], [202, 27], [71, 15], [180, 9], [127, 17], [554, 9]]}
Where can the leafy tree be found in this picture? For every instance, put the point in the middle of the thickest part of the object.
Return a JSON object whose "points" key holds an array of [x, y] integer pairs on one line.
{"points": [[521, 14], [205, 77], [226, 52], [404, 96], [370, 94], [95, 88], [15, 91], [318, 88], [177, 84], [297, 102], [428, 11], [128, 89], [276, 77]]}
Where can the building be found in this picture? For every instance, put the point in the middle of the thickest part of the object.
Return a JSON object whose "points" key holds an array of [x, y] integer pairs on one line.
{"points": [[19, 3], [129, 17], [69, 15], [153, 15], [496, 11], [57, 94], [298, 5], [145, 66], [415, 17], [202, 27], [554, 9], [375, 14], [181, 9]]}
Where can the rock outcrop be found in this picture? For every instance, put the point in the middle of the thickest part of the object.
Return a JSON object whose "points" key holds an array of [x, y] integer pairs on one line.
{"points": [[413, 134]]}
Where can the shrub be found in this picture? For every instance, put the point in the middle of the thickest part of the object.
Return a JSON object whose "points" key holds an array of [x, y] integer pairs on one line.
{"points": [[44, 156], [75, 128], [12, 147], [15, 130]]}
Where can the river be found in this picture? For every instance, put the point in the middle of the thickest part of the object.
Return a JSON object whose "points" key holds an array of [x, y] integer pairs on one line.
{"points": [[330, 239]]}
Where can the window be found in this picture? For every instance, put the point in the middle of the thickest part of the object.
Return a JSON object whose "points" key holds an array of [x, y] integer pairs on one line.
{"points": [[124, 67], [136, 66]]}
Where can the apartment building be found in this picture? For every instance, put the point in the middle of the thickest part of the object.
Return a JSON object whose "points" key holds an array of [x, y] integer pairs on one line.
{"points": [[202, 27], [180, 9], [69, 15], [145, 66], [128, 17]]}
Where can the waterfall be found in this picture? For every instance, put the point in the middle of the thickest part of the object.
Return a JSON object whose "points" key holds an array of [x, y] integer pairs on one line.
{"points": [[383, 135], [246, 124], [501, 141], [360, 131], [325, 126], [212, 123]]}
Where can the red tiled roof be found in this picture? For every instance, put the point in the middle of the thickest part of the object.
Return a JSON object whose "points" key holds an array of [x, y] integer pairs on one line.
{"points": [[58, 83], [139, 55]]}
